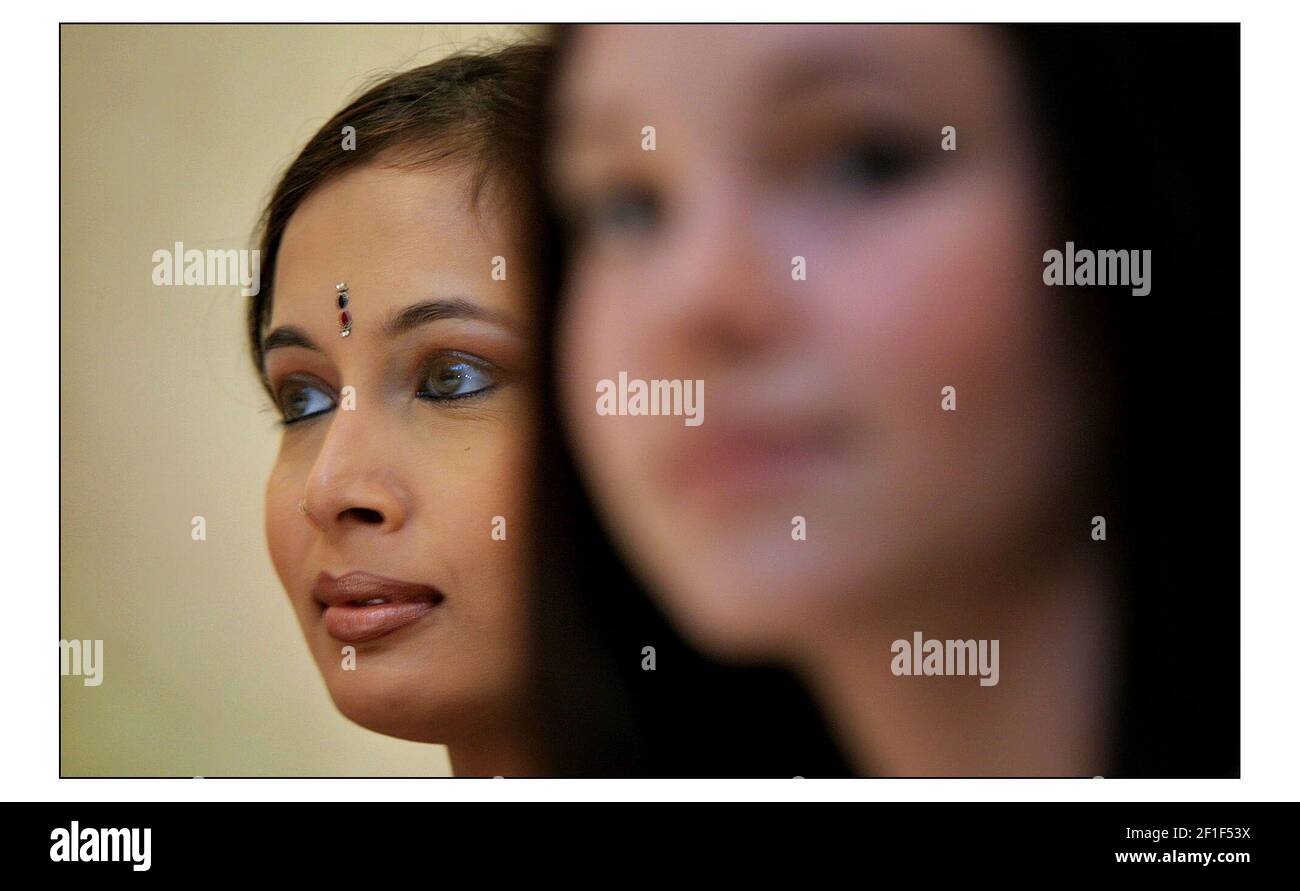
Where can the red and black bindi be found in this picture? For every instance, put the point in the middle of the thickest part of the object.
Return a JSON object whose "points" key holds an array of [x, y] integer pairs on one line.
{"points": [[345, 316]]}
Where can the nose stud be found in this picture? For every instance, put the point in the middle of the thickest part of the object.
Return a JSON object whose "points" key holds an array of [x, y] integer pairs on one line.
{"points": [[345, 317], [302, 509]]}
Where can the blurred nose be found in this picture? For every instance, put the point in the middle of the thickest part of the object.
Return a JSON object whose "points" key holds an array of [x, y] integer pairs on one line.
{"points": [[727, 290], [354, 486]]}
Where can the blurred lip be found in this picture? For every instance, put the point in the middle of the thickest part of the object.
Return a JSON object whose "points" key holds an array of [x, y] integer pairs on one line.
{"points": [[738, 459], [361, 606]]}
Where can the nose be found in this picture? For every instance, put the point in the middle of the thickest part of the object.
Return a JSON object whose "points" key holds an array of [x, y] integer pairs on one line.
{"points": [[354, 487], [728, 279]]}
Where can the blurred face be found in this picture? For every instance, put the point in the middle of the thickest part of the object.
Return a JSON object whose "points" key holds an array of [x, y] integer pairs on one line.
{"points": [[406, 440], [798, 240]]}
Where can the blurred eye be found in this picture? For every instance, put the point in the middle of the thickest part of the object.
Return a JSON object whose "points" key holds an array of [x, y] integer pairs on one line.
{"points": [[455, 376], [869, 165], [300, 400], [619, 213]]}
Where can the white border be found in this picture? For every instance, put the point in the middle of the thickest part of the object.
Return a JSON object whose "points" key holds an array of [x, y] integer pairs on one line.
{"points": [[29, 527]]}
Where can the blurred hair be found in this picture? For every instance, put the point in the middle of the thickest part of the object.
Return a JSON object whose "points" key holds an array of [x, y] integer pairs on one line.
{"points": [[1141, 124]]}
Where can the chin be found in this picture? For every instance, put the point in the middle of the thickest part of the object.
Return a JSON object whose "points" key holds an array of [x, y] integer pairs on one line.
{"points": [[401, 710], [737, 619], [407, 725], [757, 604], [391, 697]]}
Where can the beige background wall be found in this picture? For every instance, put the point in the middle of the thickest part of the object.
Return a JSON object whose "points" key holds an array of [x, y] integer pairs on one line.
{"points": [[176, 134]]}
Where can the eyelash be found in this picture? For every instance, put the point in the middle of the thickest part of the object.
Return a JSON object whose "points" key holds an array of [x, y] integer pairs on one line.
{"points": [[426, 369], [478, 363], [870, 164], [289, 422], [305, 384], [598, 214]]}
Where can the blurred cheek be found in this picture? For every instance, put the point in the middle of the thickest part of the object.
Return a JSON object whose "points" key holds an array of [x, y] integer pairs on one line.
{"points": [[596, 343], [937, 292]]}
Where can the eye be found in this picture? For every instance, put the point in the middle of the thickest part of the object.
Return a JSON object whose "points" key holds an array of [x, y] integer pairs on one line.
{"points": [[619, 212], [302, 399], [454, 376], [862, 164]]}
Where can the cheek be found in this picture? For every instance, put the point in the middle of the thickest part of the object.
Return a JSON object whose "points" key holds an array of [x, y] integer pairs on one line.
{"points": [[493, 482], [942, 291], [474, 536], [288, 537], [470, 484]]}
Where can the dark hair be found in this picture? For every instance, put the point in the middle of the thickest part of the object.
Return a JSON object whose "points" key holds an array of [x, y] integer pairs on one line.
{"points": [[1142, 124], [471, 108]]}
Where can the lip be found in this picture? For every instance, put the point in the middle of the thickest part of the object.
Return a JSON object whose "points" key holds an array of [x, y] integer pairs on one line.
{"points": [[742, 461], [350, 619]]}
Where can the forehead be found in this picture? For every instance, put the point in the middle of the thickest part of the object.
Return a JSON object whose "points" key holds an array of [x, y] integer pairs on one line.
{"points": [[723, 68], [393, 235]]}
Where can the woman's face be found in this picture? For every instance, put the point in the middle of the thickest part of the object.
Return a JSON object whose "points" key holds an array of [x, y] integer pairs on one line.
{"points": [[921, 269], [406, 484]]}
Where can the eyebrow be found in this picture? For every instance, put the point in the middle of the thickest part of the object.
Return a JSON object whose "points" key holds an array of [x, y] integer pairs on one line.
{"points": [[607, 120], [288, 336], [605, 123], [399, 323], [836, 67], [418, 314]]}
